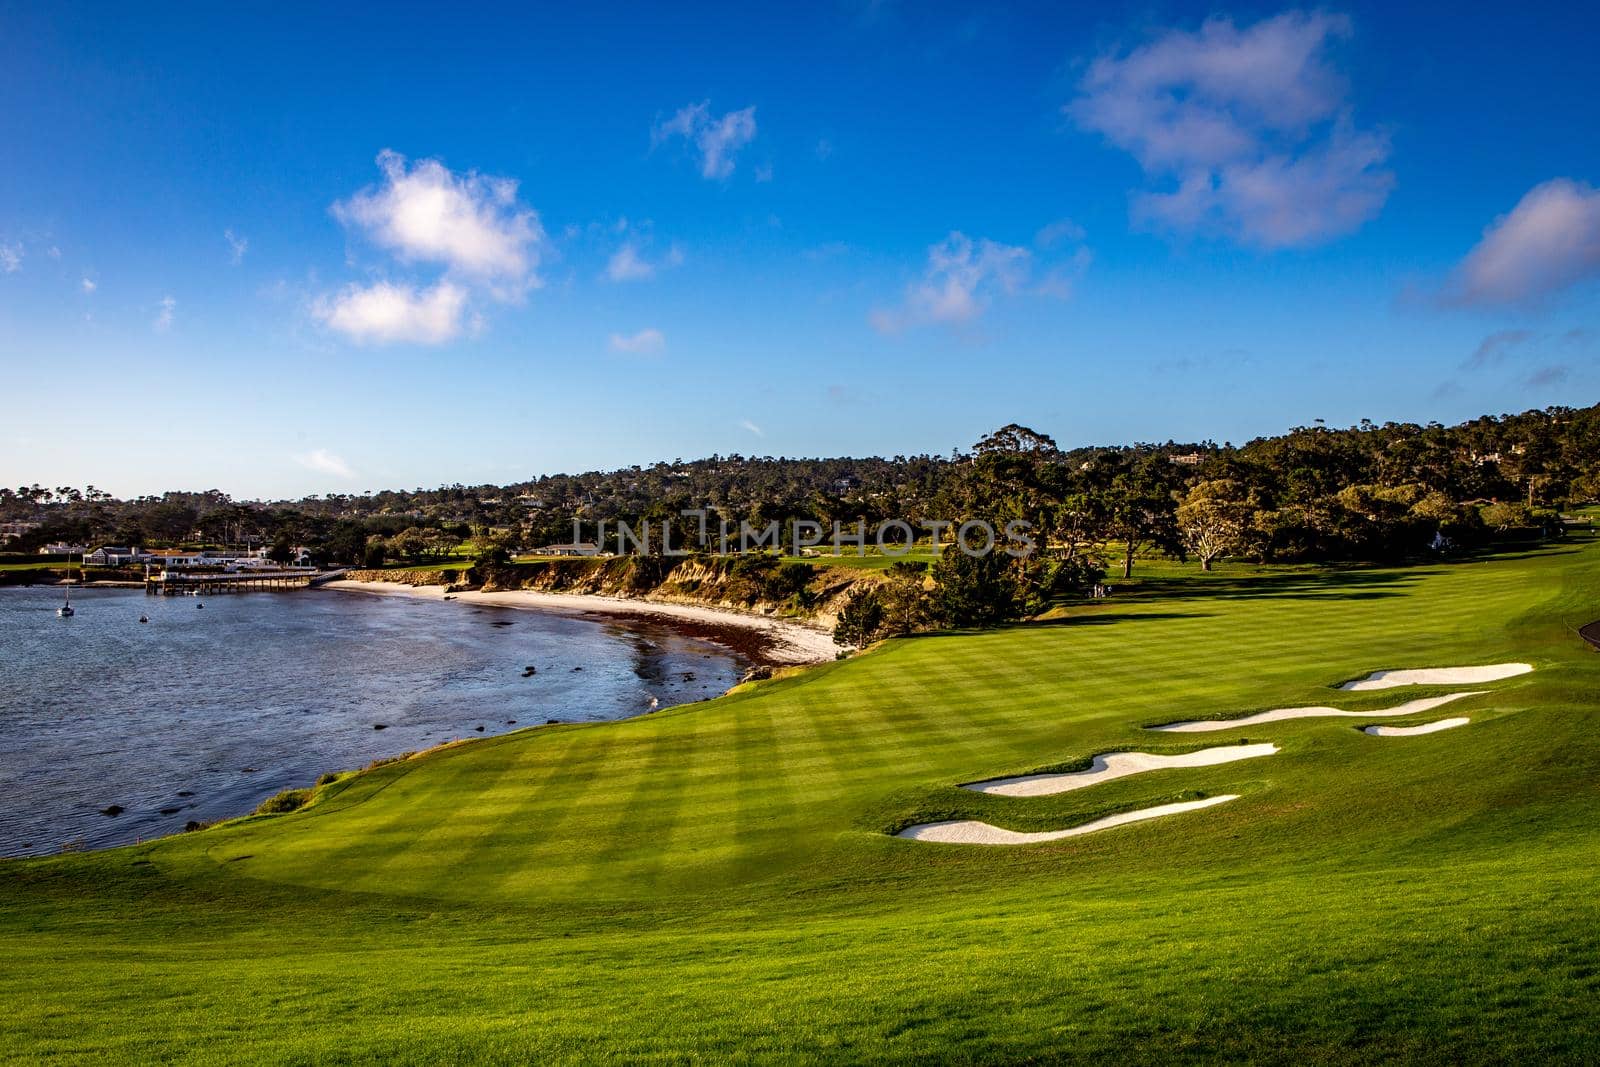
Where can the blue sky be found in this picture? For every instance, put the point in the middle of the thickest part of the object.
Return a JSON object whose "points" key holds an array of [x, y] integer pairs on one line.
{"points": [[278, 251]]}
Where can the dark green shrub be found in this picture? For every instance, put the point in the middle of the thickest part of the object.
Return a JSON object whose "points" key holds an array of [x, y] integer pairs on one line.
{"points": [[286, 801]]}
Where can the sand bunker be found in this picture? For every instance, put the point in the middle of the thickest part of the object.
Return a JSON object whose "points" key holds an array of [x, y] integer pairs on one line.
{"points": [[1411, 731], [1279, 714], [1493, 672], [1114, 765], [972, 832]]}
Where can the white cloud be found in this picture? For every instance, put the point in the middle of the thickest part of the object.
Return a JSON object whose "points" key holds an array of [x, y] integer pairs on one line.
{"points": [[163, 320], [718, 138], [960, 280], [1549, 241], [630, 264], [237, 246], [384, 313], [88, 285], [53, 252], [324, 462], [626, 265], [472, 224], [1249, 128], [469, 222], [647, 342], [11, 258], [746, 424]]}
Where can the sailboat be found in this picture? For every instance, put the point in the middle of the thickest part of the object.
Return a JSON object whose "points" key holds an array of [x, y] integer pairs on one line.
{"points": [[65, 610]]}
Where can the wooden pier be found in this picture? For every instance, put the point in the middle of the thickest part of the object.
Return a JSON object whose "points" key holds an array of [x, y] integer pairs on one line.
{"points": [[195, 583]]}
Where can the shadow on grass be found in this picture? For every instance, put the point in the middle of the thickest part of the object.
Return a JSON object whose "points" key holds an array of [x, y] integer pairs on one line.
{"points": [[1106, 619], [1113, 617], [1328, 585]]}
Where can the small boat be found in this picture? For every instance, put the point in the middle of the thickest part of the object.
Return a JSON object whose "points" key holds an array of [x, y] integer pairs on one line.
{"points": [[144, 618], [65, 610]]}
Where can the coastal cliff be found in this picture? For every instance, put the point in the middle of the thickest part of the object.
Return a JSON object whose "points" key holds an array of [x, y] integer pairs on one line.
{"points": [[752, 585]]}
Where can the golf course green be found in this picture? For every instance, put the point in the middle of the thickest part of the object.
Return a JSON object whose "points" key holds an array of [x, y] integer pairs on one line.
{"points": [[721, 880]]}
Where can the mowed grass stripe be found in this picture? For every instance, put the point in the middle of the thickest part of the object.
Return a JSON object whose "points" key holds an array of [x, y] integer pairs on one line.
{"points": [[688, 757], [507, 786]]}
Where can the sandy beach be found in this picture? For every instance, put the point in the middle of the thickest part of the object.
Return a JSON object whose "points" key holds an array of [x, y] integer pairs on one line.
{"points": [[773, 641]]}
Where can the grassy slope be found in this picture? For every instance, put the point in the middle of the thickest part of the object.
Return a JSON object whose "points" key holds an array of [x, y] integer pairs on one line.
{"points": [[714, 880]]}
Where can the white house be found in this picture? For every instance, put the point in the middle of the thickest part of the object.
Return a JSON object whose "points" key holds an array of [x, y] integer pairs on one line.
{"points": [[580, 548], [112, 556]]}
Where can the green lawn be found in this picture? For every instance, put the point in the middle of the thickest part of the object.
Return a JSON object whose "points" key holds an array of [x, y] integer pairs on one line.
{"points": [[872, 560], [454, 563], [715, 882]]}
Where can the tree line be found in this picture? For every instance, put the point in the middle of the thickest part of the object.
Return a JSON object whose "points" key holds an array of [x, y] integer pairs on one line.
{"points": [[1369, 492]]}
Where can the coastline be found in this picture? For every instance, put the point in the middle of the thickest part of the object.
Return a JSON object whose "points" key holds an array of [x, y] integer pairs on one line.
{"points": [[772, 642]]}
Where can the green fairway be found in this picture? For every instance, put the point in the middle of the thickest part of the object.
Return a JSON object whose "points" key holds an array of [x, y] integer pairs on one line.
{"points": [[718, 881], [870, 560]]}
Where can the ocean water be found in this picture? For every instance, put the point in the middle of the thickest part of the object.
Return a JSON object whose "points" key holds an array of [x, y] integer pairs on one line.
{"points": [[216, 703]]}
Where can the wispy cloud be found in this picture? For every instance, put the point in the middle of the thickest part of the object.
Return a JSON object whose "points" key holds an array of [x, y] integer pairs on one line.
{"points": [[1549, 242], [11, 257], [386, 313], [237, 246], [1554, 374], [1509, 355], [88, 285], [629, 263], [1493, 348], [961, 278], [746, 424], [166, 311], [1060, 232], [718, 138], [324, 462], [626, 265], [1249, 129], [647, 342]]}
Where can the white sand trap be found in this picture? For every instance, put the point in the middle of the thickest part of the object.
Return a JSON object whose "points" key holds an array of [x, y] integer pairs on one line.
{"points": [[1412, 731], [1411, 707], [1493, 672], [972, 832], [1114, 765]]}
